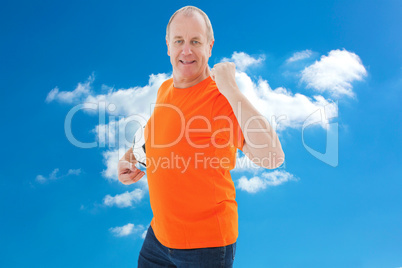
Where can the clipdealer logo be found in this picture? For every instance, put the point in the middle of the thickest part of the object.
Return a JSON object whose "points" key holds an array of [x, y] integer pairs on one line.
{"points": [[324, 116]]}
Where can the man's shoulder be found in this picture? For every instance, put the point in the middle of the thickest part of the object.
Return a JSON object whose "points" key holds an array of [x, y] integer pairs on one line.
{"points": [[167, 82], [165, 85]]}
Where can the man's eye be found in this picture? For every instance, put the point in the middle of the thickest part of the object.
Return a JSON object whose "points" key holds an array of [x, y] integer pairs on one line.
{"points": [[196, 42], [178, 41]]}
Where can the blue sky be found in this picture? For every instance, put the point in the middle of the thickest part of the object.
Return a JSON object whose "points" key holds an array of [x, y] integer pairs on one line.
{"points": [[61, 205]]}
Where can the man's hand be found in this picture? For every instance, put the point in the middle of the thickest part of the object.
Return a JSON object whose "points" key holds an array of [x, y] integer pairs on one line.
{"points": [[128, 173], [224, 76]]}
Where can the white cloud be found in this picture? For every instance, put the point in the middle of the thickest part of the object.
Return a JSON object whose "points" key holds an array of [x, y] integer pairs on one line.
{"points": [[125, 102], [116, 134], [259, 183], [243, 60], [277, 177], [131, 101], [144, 234], [243, 163], [111, 158], [74, 172], [80, 92], [301, 55], [125, 199], [252, 185], [53, 175], [125, 109], [335, 73], [126, 230], [280, 106], [40, 179]]}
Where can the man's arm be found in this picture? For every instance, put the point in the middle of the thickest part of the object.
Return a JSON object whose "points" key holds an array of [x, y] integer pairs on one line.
{"points": [[128, 173], [262, 144]]}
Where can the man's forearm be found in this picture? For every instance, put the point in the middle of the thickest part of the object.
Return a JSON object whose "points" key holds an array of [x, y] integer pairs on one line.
{"points": [[129, 156], [261, 139]]}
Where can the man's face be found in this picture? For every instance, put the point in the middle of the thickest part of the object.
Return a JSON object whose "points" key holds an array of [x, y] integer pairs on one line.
{"points": [[188, 47]]}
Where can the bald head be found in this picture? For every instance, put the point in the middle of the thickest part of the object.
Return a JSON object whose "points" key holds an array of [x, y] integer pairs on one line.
{"points": [[190, 11]]}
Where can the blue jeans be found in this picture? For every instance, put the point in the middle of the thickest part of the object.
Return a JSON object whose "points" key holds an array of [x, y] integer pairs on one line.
{"points": [[154, 254]]}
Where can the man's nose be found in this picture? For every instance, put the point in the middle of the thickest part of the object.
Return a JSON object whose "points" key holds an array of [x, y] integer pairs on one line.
{"points": [[186, 50]]}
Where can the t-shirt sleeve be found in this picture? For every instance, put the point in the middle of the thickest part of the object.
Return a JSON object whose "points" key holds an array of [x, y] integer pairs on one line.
{"points": [[226, 127]]}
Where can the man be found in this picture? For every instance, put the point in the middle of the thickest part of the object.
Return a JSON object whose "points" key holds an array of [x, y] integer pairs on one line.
{"points": [[200, 119]]}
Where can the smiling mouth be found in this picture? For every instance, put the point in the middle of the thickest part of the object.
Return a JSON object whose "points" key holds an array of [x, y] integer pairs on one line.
{"points": [[187, 62]]}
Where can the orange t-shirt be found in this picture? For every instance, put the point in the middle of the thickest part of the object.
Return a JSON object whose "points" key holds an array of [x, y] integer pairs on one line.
{"points": [[191, 140]]}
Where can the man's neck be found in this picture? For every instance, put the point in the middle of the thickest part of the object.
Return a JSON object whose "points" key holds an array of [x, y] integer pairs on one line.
{"points": [[186, 83]]}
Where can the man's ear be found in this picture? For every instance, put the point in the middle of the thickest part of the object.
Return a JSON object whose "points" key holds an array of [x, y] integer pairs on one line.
{"points": [[210, 47], [167, 44]]}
